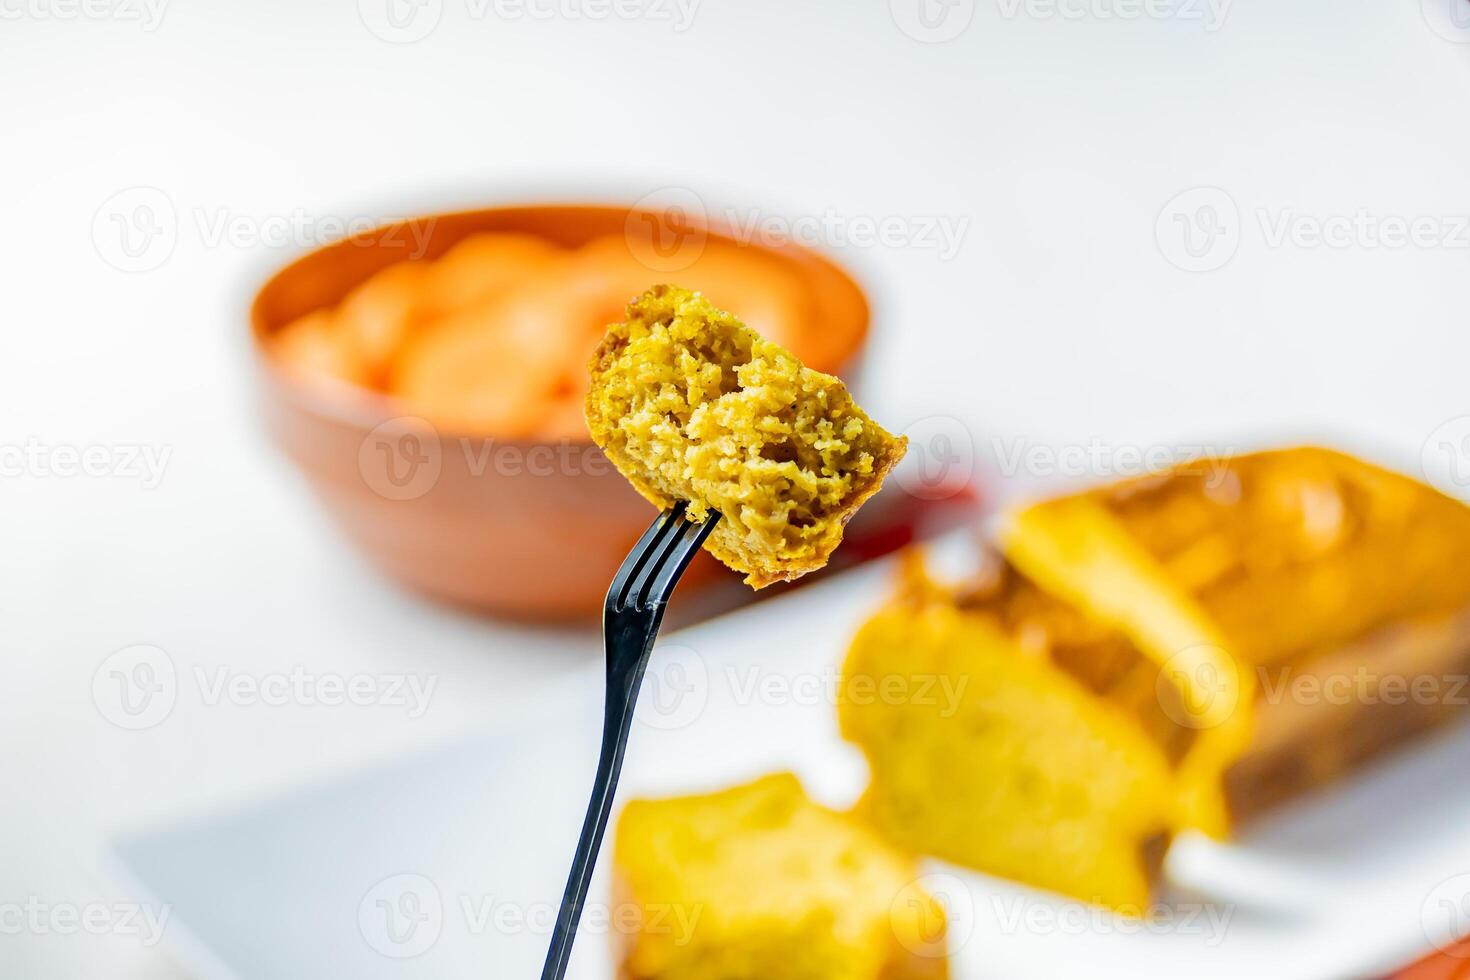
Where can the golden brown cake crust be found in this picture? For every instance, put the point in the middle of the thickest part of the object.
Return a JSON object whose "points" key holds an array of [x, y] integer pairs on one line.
{"points": [[690, 404], [1323, 573], [1333, 590]]}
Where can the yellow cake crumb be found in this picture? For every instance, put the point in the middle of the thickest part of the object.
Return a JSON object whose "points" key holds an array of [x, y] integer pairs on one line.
{"points": [[759, 883], [690, 404], [1105, 685], [985, 751]]}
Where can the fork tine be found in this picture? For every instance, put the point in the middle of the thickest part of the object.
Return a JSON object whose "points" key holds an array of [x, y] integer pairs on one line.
{"points": [[676, 559], [662, 551], [638, 559]]}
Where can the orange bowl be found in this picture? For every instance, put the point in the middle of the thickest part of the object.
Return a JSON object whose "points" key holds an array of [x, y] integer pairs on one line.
{"points": [[522, 528]]}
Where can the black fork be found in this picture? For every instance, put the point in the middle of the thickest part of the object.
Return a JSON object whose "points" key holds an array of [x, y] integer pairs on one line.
{"points": [[630, 620]]}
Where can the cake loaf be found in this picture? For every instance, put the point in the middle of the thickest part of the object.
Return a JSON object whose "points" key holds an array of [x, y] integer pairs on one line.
{"points": [[1174, 652]]}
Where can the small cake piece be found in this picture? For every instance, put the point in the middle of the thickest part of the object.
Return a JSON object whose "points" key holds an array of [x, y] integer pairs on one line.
{"points": [[989, 746], [759, 883], [690, 404]]}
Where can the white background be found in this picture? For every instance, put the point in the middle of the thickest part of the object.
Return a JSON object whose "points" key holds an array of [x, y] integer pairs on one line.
{"points": [[1058, 141]]}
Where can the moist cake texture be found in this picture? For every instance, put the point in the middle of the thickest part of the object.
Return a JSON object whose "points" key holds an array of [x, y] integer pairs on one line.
{"points": [[1175, 652], [690, 404], [988, 750], [759, 883]]}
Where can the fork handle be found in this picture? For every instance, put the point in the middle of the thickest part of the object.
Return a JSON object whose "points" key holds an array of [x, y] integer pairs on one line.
{"points": [[624, 677]]}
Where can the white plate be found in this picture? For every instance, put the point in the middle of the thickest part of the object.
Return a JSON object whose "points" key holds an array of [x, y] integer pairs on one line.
{"points": [[450, 865]]}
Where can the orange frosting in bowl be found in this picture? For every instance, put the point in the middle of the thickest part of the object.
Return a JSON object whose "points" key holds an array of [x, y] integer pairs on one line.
{"points": [[493, 337]]}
